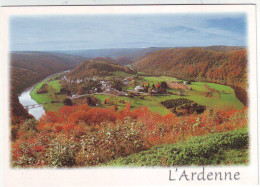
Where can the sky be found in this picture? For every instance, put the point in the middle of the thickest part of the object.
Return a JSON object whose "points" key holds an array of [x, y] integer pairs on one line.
{"points": [[77, 32]]}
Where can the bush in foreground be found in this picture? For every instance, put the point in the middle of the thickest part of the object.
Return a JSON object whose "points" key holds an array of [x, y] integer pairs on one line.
{"points": [[80, 136], [211, 149]]}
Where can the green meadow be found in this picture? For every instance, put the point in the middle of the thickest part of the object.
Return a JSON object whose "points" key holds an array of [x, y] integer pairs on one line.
{"points": [[156, 80], [148, 101], [54, 86], [226, 101]]}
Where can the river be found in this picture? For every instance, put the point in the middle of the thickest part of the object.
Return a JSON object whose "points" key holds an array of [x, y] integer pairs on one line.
{"points": [[25, 99]]}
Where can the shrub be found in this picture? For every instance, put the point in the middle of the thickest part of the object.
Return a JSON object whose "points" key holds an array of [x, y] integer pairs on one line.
{"points": [[61, 152], [30, 124], [208, 94], [67, 102], [44, 89], [171, 103], [112, 142], [28, 152], [183, 106], [205, 150], [85, 136]]}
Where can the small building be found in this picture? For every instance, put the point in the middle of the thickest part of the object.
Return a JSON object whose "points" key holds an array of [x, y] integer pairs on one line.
{"points": [[155, 91], [108, 90], [139, 89]]}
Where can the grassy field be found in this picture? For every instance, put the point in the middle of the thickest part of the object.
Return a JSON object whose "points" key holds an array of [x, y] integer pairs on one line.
{"points": [[156, 80], [136, 102], [230, 147], [50, 96], [121, 73], [55, 84], [226, 101]]}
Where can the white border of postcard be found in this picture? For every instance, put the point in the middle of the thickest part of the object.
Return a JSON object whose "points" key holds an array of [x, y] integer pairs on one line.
{"points": [[125, 176]]}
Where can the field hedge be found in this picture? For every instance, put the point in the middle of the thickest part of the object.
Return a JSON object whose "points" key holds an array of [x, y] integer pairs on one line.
{"points": [[171, 103]]}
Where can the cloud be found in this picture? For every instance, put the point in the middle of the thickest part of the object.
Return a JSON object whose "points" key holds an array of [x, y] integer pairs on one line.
{"points": [[117, 31]]}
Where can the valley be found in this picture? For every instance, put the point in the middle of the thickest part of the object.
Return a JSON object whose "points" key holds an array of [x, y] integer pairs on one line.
{"points": [[104, 112], [118, 89]]}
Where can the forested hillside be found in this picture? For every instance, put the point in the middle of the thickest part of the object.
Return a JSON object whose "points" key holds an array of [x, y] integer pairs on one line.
{"points": [[223, 48], [97, 66], [27, 68], [228, 67], [218, 65]]}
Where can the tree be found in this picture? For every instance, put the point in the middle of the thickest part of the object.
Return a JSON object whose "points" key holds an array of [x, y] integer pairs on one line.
{"points": [[68, 93], [89, 101], [130, 94], [82, 90], [52, 92], [106, 101], [115, 108], [164, 85], [118, 85], [150, 91], [67, 102]]}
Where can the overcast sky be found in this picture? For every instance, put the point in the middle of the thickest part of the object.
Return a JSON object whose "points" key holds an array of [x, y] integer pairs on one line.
{"points": [[37, 33]]}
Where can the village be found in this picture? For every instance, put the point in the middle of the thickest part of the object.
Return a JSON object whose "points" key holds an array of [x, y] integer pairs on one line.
{"points": [[128, 86]]}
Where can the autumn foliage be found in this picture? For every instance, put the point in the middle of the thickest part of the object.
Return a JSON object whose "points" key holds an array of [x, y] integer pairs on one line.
{"points": [[28, 68], [80, 136], [98, 66], [223, 67]]}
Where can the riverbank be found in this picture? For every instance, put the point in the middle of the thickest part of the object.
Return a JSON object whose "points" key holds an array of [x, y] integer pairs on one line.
{"points": [[27, 97], [51, 101], [26, 100]]}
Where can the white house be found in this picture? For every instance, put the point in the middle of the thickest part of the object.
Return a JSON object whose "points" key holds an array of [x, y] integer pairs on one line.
{"points": [[139, 89]]}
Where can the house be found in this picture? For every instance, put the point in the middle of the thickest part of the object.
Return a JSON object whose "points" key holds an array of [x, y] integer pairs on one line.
{"points": [[155, 91], [139, 89], [79, 81]]}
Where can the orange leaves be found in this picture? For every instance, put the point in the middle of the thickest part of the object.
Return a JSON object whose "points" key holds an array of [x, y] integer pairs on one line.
{"points": [[158, 85], [59, 128], [98, 115], [50, 117], [221, 66], [69, 127], [95, 135], [77, 117], [65, 111]]}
